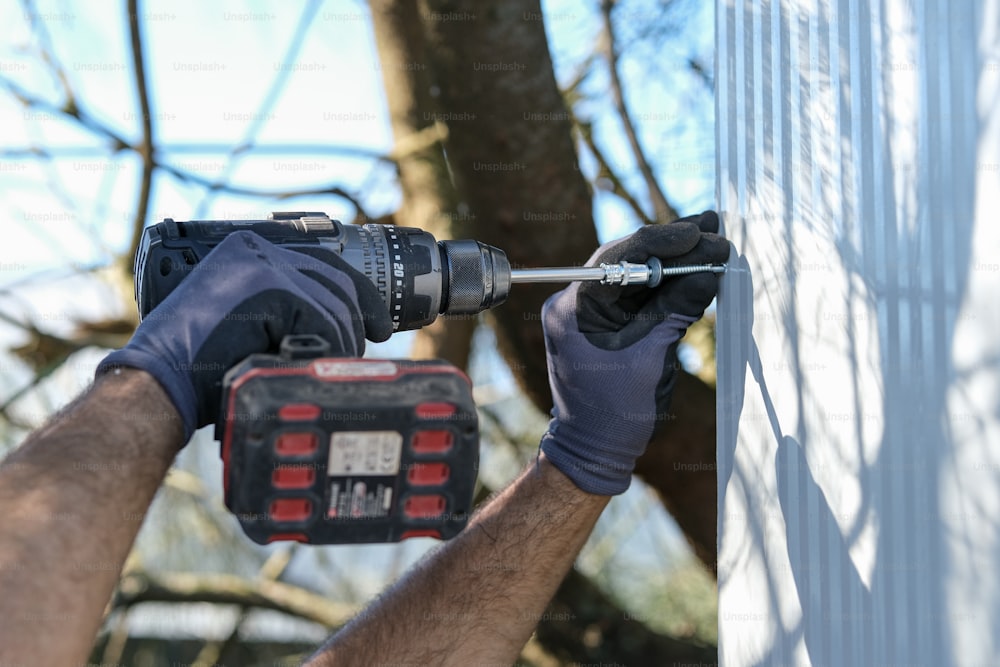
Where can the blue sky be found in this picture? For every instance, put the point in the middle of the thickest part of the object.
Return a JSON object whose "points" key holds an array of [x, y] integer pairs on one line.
{"points": [[210, 67]]}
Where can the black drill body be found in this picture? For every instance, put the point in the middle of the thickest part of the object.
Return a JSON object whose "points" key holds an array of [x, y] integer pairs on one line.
{"points": [[417, 276]]}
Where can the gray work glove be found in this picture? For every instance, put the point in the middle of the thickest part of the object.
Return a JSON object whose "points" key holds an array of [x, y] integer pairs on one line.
{"points": [[244, 297], [612, 352]]}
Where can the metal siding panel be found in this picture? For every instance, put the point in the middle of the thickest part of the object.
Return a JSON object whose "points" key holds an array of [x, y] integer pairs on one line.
{"points": [[852, 410]]}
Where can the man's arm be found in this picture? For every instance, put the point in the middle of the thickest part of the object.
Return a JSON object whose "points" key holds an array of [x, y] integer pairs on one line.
{"points": [[478, 598], [73, 498]]}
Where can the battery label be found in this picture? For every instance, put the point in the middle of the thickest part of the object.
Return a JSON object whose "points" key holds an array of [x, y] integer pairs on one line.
{"points": [[362, 473], [365, 453]]}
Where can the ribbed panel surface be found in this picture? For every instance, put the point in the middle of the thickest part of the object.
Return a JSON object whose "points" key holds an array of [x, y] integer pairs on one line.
{"points": [[859, 362]]}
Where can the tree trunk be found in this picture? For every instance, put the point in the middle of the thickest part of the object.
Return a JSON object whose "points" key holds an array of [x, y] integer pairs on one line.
{"points": [[430, 200], [510, 147], [517, 185]]}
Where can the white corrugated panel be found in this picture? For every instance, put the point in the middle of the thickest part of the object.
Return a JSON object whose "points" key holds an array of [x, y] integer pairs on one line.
{"points": [[859, 337]]}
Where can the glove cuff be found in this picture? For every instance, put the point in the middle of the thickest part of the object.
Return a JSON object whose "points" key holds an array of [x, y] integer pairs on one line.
{"points": [[178, 387], [594, 469]]}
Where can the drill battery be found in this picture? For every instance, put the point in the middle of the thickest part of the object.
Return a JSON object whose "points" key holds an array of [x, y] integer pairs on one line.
{"points": [[328, 450]]}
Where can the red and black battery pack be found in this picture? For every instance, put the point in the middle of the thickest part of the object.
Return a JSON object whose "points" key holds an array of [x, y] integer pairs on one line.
{"points": [[328, 450]]}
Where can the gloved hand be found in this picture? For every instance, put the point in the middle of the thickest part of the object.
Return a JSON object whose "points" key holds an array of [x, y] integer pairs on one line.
{"points": [[244, 297], [612, 352]]}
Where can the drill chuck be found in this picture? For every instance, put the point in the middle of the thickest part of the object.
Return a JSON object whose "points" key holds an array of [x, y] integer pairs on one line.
{"points": [[477, 277]]}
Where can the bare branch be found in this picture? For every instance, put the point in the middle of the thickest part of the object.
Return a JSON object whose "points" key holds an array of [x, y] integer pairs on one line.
{"points": [[140, 587], [21, 152], [663, 211], [703, 73], [419, 141], [572, 90], [271, 97], [41, 277], [272, 569], [40, 374], [114, 648], [71, 109], [216, 186], [146, 147], [205, 182], [45, 48], [119, 143], [605, 170], [229, 589]]}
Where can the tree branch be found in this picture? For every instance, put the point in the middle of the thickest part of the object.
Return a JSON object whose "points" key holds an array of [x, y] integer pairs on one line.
{"points": [[271, 97], [605, 171], [140, 587], [229, 589], [663, 211], [20, 152], [146, 148], [220, 186], [71, 109], [119, 143], [45, 49], [272, 569]]}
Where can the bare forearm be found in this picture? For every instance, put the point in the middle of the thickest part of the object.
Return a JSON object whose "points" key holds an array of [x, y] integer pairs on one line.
{"points": [[72, 499], [478, 598]]}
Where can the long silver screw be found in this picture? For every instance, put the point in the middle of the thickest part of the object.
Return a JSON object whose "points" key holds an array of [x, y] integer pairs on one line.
{"points": [[623, 273]]}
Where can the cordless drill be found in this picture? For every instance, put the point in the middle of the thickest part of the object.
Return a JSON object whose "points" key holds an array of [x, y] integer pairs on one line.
{"points": [[330, 450], [417, 276]]}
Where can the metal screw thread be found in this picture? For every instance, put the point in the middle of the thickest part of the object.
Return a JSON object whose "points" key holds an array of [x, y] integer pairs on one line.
{"points": [[681, 270]]}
